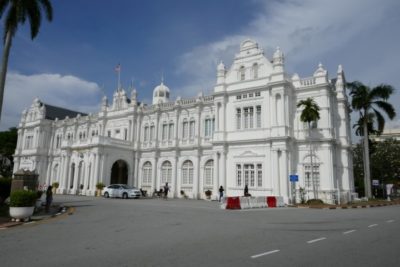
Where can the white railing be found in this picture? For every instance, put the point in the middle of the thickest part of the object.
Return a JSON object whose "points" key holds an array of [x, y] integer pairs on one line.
{"points": [[307, 81]]}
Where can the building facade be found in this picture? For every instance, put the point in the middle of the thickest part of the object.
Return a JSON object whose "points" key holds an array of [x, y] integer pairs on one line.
{"points": [[247, 132]]}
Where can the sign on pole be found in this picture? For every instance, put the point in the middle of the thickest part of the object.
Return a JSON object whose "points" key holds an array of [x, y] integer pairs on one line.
{"points": [[294, 178], [375, 182]]}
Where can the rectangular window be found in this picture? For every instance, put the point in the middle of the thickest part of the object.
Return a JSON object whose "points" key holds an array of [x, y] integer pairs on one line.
{"points": [[250, 94], [171, 132], [109, 133], [251, 117], [146, 134], [152, 132], [258, 94], [164, 132], [244, 96], [185, 130], [207, 127], [259, 175], [238, 118], [258, 116], [238, 97], [252, 176], [191, 132], [246, 168], [246, 118], [238, 175], [29, 142]]}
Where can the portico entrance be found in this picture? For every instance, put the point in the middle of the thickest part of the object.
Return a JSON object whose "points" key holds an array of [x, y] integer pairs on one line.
{"points": [[119, 172]]}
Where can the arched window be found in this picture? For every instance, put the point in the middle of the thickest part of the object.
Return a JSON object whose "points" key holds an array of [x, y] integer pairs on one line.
{"points": [[55, 173], [146, 173], [209, 173], [166, 172], [255, 70], [242, 73], [187, 173], [312, 179]]}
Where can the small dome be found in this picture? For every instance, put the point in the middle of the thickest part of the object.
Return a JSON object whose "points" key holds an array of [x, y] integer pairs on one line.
{"points": [[161, 90]]}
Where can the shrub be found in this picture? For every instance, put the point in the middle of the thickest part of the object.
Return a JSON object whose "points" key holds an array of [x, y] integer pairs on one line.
{"points": [[100, 186], [314, 202], [208, 193], [5, 188], [55, 185], [182, 193], [22, 198]]}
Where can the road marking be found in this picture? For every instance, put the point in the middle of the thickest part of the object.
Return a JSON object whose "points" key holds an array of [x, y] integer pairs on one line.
{"points": [[348, 232], [390, 221], [372, 225], [265, 253], [316, 240]]}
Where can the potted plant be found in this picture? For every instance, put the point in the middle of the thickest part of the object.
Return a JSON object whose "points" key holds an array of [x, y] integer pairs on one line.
{"points": [[208, 193], [99, 187], [55, 187], [22, 204], [183, 194]]}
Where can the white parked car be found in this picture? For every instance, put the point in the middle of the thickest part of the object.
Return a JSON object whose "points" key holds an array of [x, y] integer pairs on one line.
{"points": [[121, 190]]}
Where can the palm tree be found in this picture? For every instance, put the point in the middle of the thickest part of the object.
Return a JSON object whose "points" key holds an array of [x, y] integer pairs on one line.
{"points": [[309, 115], [18, 12], [369, 102]]}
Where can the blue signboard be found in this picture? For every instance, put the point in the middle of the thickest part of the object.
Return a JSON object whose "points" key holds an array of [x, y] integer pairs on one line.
{"points": [[293, 178]]}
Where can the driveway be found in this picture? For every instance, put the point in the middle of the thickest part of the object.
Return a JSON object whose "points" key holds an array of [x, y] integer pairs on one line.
{"points": [[157, 232]]}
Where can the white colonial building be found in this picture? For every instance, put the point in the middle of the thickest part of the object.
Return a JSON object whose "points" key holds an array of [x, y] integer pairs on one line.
{"points": [[248, 131]]}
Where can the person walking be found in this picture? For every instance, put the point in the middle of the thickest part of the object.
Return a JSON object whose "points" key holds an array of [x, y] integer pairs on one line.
{"points": [[221, 192], [166, 190], [246, 191], [49, 197]]}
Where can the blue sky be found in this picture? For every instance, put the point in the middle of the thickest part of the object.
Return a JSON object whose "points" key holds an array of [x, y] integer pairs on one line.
{"points": [[71, 63]]}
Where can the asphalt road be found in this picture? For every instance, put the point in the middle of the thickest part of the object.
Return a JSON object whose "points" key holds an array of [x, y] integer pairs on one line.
{"points": [[155, 232]]}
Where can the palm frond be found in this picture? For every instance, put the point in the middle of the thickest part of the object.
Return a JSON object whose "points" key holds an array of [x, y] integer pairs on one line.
{"points": [[382, 91], [48, 9], [386, 107], [3, 6]]}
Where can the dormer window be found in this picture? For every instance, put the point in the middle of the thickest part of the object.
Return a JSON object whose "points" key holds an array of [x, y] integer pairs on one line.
{"points": [[242, 74], [255, 70]]}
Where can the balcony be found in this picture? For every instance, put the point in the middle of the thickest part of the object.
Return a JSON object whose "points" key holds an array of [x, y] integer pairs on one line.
{"points": [[96, 141]]}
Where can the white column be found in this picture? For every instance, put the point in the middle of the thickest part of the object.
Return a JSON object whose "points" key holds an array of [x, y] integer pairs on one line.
{"points": [[156, 181], [95, 179], [49, 172], [77, 173], [223, 179], [196, 182], [217, 117], [136, 172], [175, 178], [216, 182], [284, 176]]}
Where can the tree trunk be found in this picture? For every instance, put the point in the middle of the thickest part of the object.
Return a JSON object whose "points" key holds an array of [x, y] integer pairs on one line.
{"points": [[4, 63], [367, 175], [311, 161]]}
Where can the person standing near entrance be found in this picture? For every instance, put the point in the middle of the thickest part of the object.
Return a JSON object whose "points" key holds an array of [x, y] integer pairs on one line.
{"points": [[246, 191], [166, 190], [221, 193], [49, 197]]}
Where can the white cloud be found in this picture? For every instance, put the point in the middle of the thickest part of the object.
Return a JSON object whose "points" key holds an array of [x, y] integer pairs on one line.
{"points": [[305, 30], [55, 89]]}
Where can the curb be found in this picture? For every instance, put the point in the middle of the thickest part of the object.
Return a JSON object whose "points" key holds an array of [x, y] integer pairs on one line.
{"points": [[36, 219], [355, 206]]}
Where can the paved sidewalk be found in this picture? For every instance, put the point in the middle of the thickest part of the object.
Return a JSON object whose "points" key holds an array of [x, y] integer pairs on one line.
{"points": [[55, 209]]}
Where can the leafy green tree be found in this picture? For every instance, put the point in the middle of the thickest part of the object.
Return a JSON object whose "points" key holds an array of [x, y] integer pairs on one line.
{"points": [[8, 143], [18, 11], [385, 163], [369, 103], [309, 115]]}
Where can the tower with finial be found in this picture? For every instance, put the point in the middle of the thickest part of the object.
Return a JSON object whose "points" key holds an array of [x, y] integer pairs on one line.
{"points": [[221, 71]]}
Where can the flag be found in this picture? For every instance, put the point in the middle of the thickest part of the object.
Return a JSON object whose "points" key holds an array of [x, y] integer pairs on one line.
{"points": [[118, 68]]}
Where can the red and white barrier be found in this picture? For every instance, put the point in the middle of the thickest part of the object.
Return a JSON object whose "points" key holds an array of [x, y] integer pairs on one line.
{"points": [[234, 203]]}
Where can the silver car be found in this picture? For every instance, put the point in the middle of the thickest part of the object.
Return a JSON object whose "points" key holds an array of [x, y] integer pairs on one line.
{"points": [[121, 190]]}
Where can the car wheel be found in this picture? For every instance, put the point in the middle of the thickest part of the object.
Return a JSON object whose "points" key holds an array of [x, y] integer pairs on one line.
{"points": [[106, 195], [124, 195]]}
